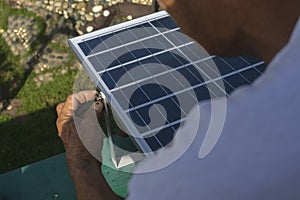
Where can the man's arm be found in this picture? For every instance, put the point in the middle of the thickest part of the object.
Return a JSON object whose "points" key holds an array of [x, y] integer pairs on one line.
{"points": [[84, 168], [89, 181]]}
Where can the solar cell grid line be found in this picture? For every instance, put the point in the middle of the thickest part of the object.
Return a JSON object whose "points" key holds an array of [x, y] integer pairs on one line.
{"points": [[142, 58], [202, 72], [126, 44], [146, 70], [249, 82], [164, 47], [150, 133], [198, 85], [149, 99], [118, 60], [233, 68], [159, 74], [212, 69], [251, 60], [226, 83], [163, 67], [89, 43], [227, 63]]}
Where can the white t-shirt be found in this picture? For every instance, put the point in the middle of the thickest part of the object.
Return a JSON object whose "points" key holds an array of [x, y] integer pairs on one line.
{"points": [[257, 156]]}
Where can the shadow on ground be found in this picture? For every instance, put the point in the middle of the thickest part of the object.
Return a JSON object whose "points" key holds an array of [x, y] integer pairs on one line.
{"points": [[28, 139]]}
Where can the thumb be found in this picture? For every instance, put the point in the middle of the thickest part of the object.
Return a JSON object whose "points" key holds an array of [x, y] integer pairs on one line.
{"points": [[90, 131]]}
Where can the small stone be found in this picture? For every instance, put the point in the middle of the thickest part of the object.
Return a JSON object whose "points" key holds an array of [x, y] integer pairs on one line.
{"points": [[89, 18], [51, 8], [58, 4], [40, 78], [106, 13], [1, 31], [77, 25], [73, 5], [80, 6], [89, 29], [65, 5], [79, 32], [97, 15], [129, 17], [9, 107], [64, 71], [82, 17], [81, 13], [70, 10], [97, 9]]}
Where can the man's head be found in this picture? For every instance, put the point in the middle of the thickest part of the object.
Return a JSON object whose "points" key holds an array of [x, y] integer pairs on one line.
{"points": [[236, 27]]}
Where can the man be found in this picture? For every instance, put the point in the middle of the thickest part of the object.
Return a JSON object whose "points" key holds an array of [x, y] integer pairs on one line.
{"points": [[256, 156]]}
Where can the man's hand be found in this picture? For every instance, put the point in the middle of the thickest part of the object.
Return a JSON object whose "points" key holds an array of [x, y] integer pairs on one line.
{"points": [[78, 127], [77, 120]]}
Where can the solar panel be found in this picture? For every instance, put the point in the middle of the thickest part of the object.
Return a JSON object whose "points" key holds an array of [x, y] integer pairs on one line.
{"points": [[153, 75]]}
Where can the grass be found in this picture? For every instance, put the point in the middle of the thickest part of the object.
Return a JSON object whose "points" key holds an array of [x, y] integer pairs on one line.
{"points": [[32, 134], [33, 137], [12, 73]]}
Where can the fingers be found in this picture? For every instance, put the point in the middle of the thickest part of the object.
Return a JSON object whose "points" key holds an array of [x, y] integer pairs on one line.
{"points": [[59, 108], [66, 110], [81, 98]]}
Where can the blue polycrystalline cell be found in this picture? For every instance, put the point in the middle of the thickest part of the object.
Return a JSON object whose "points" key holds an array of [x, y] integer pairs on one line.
{"points": [[110, 40], [170, 105], [251, 60], [155, 75], [162, 42], [191, 73], [171, 60], [150, 29], [260, 68], [166, 135], [84, 48], [123, 55], [153, 143], [235, 63], [174, 39], [156, 43], [223, 67], [250, 75], [124, 36], [92, 46], [165, 22], [140, 31], [112, 77]]}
